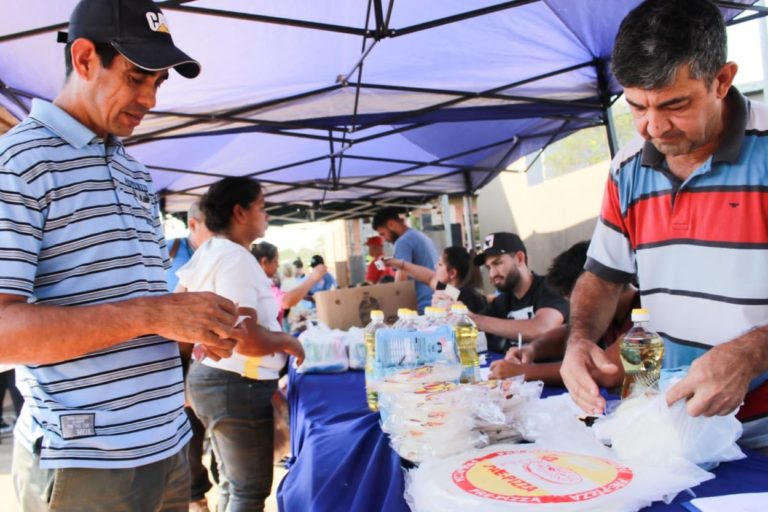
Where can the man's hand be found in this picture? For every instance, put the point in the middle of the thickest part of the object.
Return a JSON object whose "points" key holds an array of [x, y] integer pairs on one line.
{"points": [[254, 341], [522, 355], [195, 317], [393, 262], [716, 382], [583, 361], [504, 368]]}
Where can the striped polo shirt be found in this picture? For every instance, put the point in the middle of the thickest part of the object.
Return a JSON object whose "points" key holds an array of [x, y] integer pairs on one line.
{"points": [[699, 247], [80, 224]]}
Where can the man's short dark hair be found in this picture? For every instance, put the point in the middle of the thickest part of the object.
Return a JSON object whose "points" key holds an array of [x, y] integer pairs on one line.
{"points": [[105, 51], [384, 215], [659, 36], [567, 267]]}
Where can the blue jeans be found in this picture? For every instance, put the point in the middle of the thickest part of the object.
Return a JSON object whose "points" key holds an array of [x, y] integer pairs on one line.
{"points": [[237, 412]]}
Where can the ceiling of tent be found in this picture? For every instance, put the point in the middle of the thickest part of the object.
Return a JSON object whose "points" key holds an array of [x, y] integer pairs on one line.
{"points": [[341, 105]]}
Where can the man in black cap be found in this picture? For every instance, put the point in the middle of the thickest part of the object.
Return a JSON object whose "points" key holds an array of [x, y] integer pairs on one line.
{"points": [[84, 309], [526, 306]]}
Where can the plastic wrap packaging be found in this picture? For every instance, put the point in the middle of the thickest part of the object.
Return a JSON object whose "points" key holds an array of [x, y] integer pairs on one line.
{"points": [[355, 341], [566, 470], [644, 427], [324, 350]]}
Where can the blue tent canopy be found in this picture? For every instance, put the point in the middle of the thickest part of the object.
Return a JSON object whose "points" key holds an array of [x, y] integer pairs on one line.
{"points": [[340, 105]]}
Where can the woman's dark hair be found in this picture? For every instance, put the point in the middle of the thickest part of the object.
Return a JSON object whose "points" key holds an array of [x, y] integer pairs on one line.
{"points": [[298, 263], [460, 260], [264, 250], [105, 51], [567, 267], [218, 203]]}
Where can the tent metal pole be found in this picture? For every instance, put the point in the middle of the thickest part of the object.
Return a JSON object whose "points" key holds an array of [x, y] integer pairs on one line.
{"points": [[405, 115], [610, 129], [235, 111], [270, 19], [446, 207], [469, 227], [474, 95], [605, 96], [459, 17]]}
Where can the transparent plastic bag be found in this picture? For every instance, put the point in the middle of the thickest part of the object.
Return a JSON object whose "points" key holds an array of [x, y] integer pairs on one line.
{"points": [[644, 427], [324, 350], [355, 342]]}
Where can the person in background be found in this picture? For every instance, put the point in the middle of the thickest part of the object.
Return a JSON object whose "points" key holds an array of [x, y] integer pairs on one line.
{"points": [[181, 249], [268, 257], [525, 306], [541, 359], [180, 252], [411, 246], [684, 209], [373, 273], [454, 268], [232, 397], [326, 282]]}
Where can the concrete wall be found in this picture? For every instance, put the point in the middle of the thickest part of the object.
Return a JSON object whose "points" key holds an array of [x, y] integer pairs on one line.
{"points": [[549, 214]]}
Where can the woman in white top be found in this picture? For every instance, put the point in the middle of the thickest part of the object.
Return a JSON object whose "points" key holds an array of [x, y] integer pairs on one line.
{"points": [[232, 396]]}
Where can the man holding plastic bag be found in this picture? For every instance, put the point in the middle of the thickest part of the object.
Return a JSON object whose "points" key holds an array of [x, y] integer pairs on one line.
{"points": [[684, 208]]}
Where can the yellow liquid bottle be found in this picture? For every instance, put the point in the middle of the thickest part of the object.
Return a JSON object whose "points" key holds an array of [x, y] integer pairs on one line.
{"points": [[466, 341], [369, 336], [642, 353]]}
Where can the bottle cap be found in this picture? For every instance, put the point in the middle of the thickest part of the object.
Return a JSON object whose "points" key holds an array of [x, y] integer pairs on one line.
{"points": [[640, 315], [459, 308], [401, 312], [377, 314]]}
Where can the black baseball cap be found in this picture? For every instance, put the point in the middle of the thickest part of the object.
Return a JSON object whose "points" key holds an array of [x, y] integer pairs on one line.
{"points": [[136, 29], [316, 260], [500, 243]]}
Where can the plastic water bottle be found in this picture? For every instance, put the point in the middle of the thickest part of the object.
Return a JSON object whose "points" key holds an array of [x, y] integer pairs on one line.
{"points": [[401, 314], [466, 341], [377, 322], [642, 352]]}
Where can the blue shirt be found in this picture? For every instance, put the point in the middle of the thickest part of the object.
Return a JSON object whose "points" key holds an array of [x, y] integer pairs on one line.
{"points": [[183, 255], [79, 225], [415, 247], [328, 282]]}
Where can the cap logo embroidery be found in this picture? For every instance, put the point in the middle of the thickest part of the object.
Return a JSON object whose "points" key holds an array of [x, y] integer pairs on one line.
{"points": [[488, 241], [157, 22]]}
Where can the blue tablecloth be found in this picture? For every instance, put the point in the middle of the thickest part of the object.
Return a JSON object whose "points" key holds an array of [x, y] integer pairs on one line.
{"points": [[341, 460]]}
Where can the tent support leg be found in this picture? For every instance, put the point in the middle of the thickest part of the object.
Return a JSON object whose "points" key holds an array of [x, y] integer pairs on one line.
{"points": [[610, 128], [469, 226]]}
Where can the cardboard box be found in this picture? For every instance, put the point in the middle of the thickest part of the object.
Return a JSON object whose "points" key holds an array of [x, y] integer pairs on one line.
{"points": [[351, 307]]}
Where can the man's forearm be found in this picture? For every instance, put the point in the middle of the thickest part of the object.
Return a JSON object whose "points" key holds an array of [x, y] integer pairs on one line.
{"points": [[593, 303], [507, 328], [754, 345], [42, 334]]}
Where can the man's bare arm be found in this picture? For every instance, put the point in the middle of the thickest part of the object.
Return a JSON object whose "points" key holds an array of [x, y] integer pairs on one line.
{"points": [[544, 320], [593, 303], [44, 334]]}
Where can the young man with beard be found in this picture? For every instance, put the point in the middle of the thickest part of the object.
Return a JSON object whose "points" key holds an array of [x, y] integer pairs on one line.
{"points": [[526, 306]]}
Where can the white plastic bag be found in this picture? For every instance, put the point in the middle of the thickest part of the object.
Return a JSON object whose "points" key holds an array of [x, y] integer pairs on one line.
{"points": [[644, 427]]}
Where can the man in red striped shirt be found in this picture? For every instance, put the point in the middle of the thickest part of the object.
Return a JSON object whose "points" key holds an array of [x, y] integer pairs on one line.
{"points": [[686, 209]]}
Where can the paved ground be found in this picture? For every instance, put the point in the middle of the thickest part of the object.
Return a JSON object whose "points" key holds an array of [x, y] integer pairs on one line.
{"points": [[8, 500]]}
